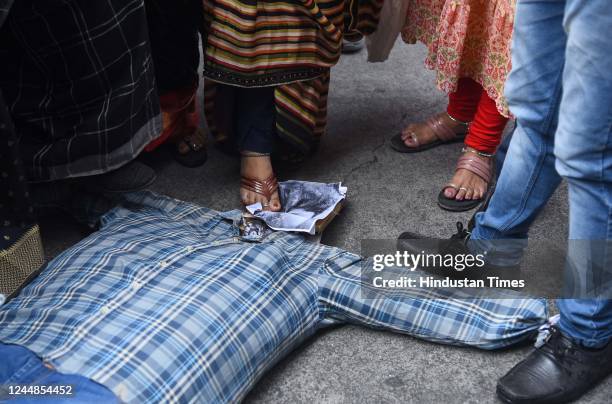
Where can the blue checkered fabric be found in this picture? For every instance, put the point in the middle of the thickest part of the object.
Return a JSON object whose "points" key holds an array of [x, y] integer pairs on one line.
{"points": [[165, 303]]}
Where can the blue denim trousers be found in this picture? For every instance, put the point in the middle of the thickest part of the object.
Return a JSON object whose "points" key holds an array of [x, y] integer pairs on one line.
{"points": [[21, 367], [560, 91]]}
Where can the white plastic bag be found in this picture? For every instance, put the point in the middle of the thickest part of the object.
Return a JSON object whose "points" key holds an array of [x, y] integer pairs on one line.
{"points": [[392, 20]]}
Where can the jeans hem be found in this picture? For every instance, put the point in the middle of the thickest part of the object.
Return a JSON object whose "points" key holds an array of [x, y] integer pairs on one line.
{"points": [[589, 342]]}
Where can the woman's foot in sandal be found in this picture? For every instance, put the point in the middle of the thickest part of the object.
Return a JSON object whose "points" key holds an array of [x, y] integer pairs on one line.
{"points": [[258, 182], [190, 149], [471, 182], [436, 130]]}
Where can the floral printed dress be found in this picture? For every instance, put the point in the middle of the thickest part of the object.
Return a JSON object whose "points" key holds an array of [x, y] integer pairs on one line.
{"points": [[465, 38]]}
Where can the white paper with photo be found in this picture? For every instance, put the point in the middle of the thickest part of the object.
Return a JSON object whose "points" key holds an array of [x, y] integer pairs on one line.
{"points": [[303, 204]]}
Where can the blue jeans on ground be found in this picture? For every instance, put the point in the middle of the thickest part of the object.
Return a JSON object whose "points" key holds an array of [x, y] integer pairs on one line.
{"points": [[560, 91], [21, 367]]}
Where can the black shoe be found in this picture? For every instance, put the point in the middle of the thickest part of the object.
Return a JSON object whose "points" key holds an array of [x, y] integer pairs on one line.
{"points": [[417, 244], [132, 177], [456, 245], [559, 371]]}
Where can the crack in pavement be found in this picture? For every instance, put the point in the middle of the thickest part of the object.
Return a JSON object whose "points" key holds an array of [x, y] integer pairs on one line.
{"points": [[367, 163]]}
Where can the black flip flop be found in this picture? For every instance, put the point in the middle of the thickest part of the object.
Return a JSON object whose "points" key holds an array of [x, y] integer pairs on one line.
{"points": [[486, 174], [455, 205], [195, 157]]}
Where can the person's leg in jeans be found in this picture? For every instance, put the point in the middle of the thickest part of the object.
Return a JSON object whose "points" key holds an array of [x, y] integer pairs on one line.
{"points": [[255, 133], [578, 353], [21, 367], [528, 178], [502, 151], [583, 147]]}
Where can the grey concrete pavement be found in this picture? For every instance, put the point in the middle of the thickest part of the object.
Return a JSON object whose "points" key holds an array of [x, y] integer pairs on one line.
{"points": [[389, 193]]}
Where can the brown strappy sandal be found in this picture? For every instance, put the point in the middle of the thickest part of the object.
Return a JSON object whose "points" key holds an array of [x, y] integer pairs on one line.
{"points": [[266, 188], [443, 133], [477, 166]]}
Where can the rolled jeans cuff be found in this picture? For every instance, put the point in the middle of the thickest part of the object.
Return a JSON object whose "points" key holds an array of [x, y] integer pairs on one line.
{"points": [[499, 252]]}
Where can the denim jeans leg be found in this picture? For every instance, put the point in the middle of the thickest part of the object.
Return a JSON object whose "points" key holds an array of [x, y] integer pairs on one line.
{"points": [[502, 151], [21, 367], [583, 147], [533, 89]]}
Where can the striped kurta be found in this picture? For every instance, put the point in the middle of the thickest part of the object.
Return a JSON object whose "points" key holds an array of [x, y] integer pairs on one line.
{"points": [[289, 44]]}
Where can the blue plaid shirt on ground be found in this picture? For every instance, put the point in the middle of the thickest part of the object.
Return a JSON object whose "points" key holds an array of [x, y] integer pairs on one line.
{"points": [[167, 304]]}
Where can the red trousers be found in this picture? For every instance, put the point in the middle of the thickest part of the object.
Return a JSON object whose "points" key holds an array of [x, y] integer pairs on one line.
{"points": [[470, 103]]}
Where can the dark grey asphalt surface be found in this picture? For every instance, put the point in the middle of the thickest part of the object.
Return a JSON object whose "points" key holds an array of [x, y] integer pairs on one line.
{"points": [[388, 193]]}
